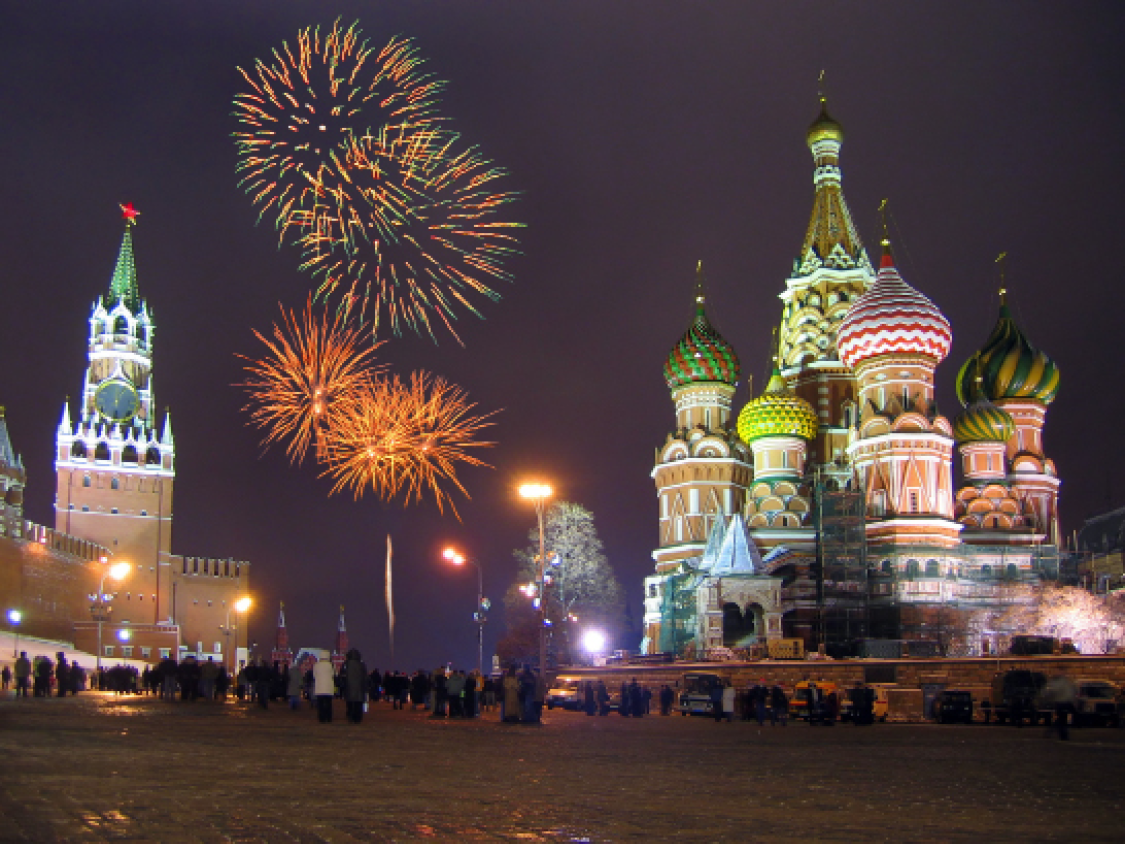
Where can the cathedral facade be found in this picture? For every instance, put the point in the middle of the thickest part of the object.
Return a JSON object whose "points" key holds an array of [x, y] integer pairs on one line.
{"points": [[115, 471], [840, 505]]}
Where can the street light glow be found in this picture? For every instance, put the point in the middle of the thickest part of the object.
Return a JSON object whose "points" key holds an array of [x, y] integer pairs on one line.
{"points": [[593, 640], [120, 570], [124, 635], [453, 556], [535, 490], [14, 616], [243, 605]]}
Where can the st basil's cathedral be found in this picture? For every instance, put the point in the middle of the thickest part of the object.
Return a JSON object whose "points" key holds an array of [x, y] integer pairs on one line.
{"points": [[828, 509]]}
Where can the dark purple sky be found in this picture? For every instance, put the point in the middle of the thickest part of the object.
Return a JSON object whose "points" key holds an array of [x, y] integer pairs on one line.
{"points": [[645, 136]]}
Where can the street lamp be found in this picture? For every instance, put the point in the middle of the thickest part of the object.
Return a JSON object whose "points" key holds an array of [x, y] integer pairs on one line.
{"points": [[454, 557], [99, 608], [593, 641], [241, 606], [540, 493], [15, 617]]}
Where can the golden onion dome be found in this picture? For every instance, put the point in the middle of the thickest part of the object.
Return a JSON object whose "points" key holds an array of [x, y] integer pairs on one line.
{"points": [[777, 412], [825, 127]]}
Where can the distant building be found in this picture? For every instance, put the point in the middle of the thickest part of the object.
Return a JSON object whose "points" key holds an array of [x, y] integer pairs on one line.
{"points": [[828, 509]]}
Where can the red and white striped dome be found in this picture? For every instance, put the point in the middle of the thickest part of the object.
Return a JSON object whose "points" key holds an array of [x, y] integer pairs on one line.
{"points": [[892, 317]]}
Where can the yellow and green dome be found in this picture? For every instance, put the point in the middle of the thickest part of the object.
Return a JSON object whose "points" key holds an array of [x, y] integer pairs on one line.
{"points": [[777, 412], [983, 421], [1009, 367], [702, 354]]}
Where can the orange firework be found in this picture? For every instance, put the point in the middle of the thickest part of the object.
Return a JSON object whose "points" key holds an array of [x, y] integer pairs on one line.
{"points": [[397, 437], [314, 368]]}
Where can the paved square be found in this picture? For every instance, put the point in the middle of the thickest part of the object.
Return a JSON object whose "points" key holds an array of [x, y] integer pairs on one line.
{"points": [[100, 769]]}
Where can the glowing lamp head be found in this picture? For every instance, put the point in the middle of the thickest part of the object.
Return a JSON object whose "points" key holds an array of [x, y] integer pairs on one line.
{"points": [[124, 635], [120, 570], [453, 556], [243, 605], [14, 616], [535, 490], [593, 640]]}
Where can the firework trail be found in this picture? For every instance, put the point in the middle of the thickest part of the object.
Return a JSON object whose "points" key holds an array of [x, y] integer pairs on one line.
{"points": [[397, 220], [390, 596], [406, 437], [313, 370]]}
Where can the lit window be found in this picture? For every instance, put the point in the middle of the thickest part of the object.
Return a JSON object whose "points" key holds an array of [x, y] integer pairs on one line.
{"points": [[127, 651], [109, 652]]}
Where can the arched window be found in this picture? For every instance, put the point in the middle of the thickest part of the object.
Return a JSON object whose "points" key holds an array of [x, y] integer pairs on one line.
{"points": [[115, 484], [86, 481], [913, 569], [1013, 572], [121, 325], [933, 569], [78, 450], [886, 568], [986, 570], [152, 456], [129, 454], [101, 452]]}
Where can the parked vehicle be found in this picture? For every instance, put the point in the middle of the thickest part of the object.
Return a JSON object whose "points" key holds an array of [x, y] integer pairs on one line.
{"points": [[954, 706], [802, 702], [695, 692], [564, 694], [1015, 697], [1096, 704]]}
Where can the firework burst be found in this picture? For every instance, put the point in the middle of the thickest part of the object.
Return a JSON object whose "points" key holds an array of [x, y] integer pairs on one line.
{"points": [[313, 371], [304, 108], [398, 221], [406, 437]]}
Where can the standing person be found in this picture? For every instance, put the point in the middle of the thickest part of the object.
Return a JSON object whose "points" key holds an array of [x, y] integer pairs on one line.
{"points": [[441, 692], [263, 683], [636, 698], [625, 702], [470, 694], [666, 697], [539, 696], [23, 675], [510, 705], [355, 686], [716, 694], [43, 671], [207, 675], [324, 689], [761, 694], [603, 699], [728, 702], [589, 704], [293, 689], [62, 674], [454, 688], [779, 706], [6, 676]]}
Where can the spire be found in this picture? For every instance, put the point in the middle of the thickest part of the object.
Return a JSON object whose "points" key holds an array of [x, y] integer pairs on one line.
{"points": [[831, 239], [7, 454], [166, 436], [282, 654], [123, 286], [339, 653], [65, 425]]}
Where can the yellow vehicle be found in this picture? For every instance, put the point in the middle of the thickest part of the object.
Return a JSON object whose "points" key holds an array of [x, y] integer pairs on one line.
{"points": [[803, 700], [882, 700]]}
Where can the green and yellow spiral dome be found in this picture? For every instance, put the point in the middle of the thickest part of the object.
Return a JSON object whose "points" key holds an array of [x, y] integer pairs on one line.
{"points": [[778, 411], [1009, 367], [983, 421], [701, 355]]}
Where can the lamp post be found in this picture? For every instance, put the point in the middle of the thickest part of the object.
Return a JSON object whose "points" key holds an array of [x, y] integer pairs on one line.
{"points": [[241, 606], [454, 557], [15, 617], [99, 608], [539, 493]]}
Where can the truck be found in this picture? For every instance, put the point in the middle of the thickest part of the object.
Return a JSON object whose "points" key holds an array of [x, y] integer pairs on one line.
{"points": [[1015, 697], [695, 692], [1096, 704]]}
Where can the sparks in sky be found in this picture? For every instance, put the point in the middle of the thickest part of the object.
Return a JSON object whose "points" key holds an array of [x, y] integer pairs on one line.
{"points": [[396, 218], [406, 437], [314, 367]]}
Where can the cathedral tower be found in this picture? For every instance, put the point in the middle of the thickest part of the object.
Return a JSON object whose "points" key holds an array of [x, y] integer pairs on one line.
{"points": [[703, 469], [831, 271], [115, 466], [1022, 381], [902, 452]]}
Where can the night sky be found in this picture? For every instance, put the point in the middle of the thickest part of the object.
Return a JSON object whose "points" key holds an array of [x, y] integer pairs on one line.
{"points": [[645, 136]]}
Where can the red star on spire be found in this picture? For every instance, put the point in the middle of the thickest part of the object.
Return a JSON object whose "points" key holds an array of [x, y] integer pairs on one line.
{"points": [[129, 213]]}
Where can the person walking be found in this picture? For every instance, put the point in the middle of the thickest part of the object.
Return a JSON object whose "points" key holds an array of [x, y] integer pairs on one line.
{"points": [[324, 689], [779, 706], [510, 705], [666, 697], [355, 686]]}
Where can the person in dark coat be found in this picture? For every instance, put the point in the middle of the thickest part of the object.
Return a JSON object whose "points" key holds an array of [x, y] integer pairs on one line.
{"points": [[636, 699], [667, 696], [62, 674], [603, 699], [779, 706], [625, 703], [355, 686], [590, 705], [716, 693]]}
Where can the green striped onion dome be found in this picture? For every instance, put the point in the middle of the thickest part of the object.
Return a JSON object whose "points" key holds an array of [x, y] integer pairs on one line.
{"points": [[701, 355], [1009, 367], [983, 421], [778, 411]]}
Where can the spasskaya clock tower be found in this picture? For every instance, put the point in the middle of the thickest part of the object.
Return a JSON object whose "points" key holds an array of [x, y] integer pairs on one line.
{"points": [[115, 465]]}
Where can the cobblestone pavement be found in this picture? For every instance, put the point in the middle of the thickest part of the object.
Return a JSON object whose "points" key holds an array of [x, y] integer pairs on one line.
{"points": [[100, 769]]}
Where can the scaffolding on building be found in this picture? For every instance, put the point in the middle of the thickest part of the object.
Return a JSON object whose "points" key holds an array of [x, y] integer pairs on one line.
{"points": [[678, 611], [843, 580]]}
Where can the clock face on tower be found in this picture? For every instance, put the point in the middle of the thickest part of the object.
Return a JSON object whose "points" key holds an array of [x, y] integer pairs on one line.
{"points": [[116, 399]]}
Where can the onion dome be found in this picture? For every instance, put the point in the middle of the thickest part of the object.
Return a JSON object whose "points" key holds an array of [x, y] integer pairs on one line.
{"points": [[825, 128], [778, 411], [983, 421], [892, 317], [702, 354], [1009, 366]]}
